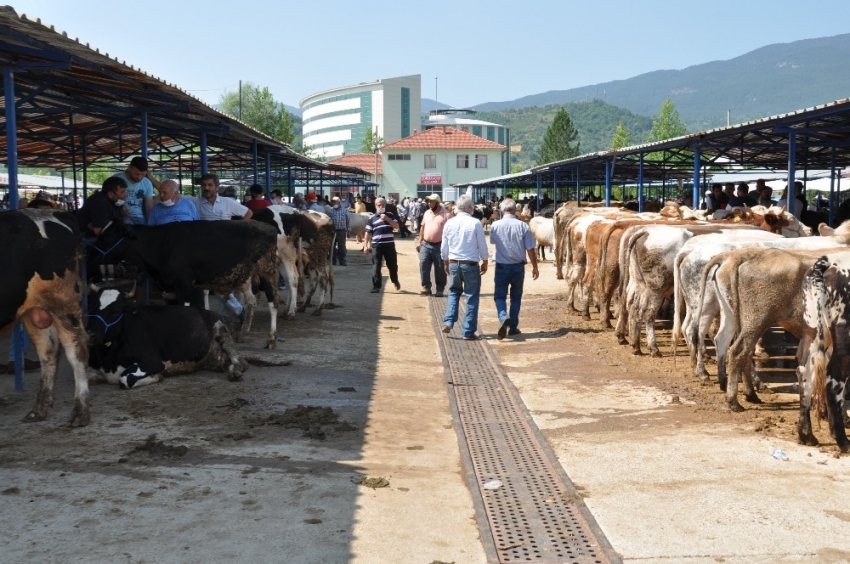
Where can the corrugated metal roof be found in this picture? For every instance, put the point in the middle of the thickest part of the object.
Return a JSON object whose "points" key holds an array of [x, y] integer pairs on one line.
{"points": [[70, 95], [443, 137]]}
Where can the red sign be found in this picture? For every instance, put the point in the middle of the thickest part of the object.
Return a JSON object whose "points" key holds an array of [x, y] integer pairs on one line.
{"points": [[431, 178]]}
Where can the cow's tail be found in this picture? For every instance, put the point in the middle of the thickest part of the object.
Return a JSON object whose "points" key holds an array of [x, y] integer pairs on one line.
{"points": [[602, 258], [678, 305], [708, 273], [330, 268], [820, 359]]}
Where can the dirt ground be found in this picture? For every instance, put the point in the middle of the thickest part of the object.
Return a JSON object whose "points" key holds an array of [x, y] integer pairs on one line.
{"points": [[269, 469]]}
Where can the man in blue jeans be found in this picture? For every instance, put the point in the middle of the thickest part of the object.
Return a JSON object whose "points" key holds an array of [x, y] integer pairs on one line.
{"points": [[464, 245], [514, 243]]}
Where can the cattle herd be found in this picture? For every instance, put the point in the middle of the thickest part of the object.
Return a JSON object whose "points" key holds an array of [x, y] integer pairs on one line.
{"points": [[728, 277], [130, 343]]}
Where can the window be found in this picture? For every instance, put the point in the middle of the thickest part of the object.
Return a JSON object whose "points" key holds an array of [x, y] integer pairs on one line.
{"points": [[423, 190], [398, 157], [463, 161], [480, 161], [430, 161]]}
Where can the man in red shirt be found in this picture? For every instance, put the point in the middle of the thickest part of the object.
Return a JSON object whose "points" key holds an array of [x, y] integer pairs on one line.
{"points": [[257, 200]]}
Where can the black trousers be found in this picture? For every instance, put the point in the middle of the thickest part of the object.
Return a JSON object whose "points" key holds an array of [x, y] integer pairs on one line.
{"points": [[380, 253]]}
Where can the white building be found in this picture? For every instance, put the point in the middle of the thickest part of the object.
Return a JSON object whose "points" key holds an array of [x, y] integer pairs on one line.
{"points": [[335, 121], [426, 162]]}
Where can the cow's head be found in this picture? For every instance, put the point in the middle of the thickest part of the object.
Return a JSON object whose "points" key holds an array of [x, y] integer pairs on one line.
{"points": [[108, 247], [106, 311]]}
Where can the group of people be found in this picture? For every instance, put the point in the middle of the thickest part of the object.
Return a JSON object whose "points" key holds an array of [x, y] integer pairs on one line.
{"points": [[723, 196], [454, 247]]}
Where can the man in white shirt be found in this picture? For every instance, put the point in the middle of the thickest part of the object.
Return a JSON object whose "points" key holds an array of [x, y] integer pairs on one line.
{"points": [[213, 207], [464, 245]]}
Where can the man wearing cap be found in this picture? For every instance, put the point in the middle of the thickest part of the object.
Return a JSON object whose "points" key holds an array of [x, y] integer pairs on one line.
{"points": [[339, 215], [429, 244], [379, 232], [313, 203], [139, 191], [514, 244], [464, 245]]}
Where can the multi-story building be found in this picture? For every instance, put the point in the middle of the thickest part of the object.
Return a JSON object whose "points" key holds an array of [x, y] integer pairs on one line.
{"points": [[464, 119], [335, 121], [428, 161]]}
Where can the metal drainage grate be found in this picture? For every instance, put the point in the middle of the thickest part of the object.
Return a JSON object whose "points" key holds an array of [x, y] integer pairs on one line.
{"points": [[535, 514]]}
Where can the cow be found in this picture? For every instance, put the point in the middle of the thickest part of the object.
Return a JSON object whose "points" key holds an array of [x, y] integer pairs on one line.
{"points": [[756, 288], [40, 285], [357, 223], [135, 345], [317, 240], [544, 233], [219, 256], [287, 222]]}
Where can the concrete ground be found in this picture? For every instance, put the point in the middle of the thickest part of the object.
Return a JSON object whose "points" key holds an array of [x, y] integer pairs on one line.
{"points": [[199, 469]]}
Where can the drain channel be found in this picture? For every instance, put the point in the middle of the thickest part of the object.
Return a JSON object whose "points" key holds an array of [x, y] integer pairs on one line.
{"points": [[532, 510]]}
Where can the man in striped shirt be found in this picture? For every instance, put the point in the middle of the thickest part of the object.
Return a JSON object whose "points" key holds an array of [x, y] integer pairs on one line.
{"points": [[379, 232]]}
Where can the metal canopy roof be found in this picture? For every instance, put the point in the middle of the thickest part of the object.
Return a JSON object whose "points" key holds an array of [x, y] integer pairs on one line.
{"points": [[76, 104], [821, 136]]}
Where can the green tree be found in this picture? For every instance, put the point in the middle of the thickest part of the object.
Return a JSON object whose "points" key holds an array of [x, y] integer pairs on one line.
{"points": [[668, 124], [559, 141], [260, 110], [371, 141], [622, 137], [516, 168]]}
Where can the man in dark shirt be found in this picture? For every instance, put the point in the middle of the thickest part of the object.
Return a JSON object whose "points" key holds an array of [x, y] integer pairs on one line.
{"points": [[103, 207], [741, 199], [379, 232]]}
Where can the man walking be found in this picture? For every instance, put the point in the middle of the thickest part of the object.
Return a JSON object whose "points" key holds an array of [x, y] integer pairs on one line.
{"points": [[339, 215], [379, 231], [464, 245], [514, 243], [428, 245]]}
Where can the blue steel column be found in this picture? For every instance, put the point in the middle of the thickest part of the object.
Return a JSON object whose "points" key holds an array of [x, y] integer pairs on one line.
{"points": [[256, 163], [289, 180], [608, 183], [831, 189], [12, 167], [85, 164], [578, 186], [697, 164], [640, 185], [203, 152], [792, 170], [145, 135], [11, 137], [268, 174], [555, 187], [539, 190]]}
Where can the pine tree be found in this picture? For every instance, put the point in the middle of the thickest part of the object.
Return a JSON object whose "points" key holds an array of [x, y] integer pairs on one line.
{"points": [[559, 142], [622, 137], [668, 124]]}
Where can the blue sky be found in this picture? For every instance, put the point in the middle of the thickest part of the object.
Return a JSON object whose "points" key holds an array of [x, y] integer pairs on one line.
{"points": [[482, 51]]}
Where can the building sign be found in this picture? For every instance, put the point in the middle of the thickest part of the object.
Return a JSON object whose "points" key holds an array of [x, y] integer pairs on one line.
{"points": [[431, 178]]}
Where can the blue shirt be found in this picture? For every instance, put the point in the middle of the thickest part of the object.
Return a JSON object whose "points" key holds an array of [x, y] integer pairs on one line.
{"points": [[182, 210], [382, 232], [340, 217], [512, 238], [463, 239], [136, 194]]}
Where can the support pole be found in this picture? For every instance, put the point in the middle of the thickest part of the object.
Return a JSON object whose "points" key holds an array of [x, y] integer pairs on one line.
{"points": [[792, 170], [640, 185], [289, 180], [145, 135], [555, 188], [11, 137], [268, 174], [256, 163], [696, 197], [578, 186], [539, 189], [608, 169], [831, 190], [85, 163], [203, 152]]}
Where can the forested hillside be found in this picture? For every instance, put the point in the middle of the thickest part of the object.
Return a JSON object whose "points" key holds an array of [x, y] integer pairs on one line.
{"points": [[595, 122], [775, 79]]}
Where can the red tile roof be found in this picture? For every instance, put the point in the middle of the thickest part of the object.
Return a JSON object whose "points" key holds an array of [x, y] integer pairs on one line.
{"points": [[365, 161], [443, 137]]}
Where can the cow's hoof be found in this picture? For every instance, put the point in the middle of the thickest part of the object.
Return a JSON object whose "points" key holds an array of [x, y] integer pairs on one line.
{"points": [[289, 317], [585, 316], [80, 417], [271, 344], [753, 398], [637, 352], [318, 313], [655, 353], [845, 448], [33, 417], [722, 383], [808, 440], [622, 340], [736, 407], [705, 382]]}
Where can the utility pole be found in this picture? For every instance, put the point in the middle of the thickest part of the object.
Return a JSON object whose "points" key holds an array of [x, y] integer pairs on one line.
{"points": [[240, 100], [435, 87], [375, 145]]}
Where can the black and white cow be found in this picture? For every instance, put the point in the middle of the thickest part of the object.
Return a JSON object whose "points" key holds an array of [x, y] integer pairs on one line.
{"points": [[824, 352], [40, 286], [220, 256], [136, 345]]}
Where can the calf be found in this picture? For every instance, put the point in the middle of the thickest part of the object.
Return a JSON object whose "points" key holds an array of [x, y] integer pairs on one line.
{"points": [[40, 286], [317, 240], [136, 345]]}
